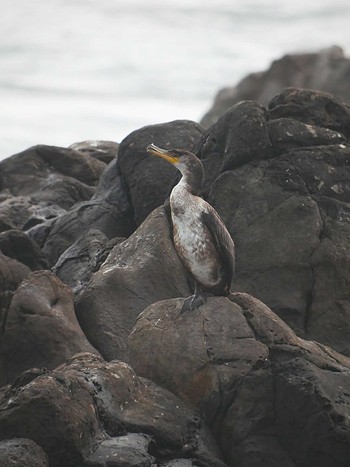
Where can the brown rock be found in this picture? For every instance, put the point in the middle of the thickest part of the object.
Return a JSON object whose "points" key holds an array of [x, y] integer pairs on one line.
{"points": [[139, 271], [256, 383], [41, 329]]}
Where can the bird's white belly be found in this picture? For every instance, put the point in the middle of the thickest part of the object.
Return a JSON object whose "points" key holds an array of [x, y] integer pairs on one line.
{"points": [[194, 246]]}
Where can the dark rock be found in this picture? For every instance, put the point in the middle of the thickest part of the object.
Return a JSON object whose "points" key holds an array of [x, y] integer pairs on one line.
{"points": [[130, 450], [104, 151], [41, 328], [43, 176], [150, 179], [312, 108], [43, 214], [39, 167], [16, 244], [23, 453], [12, 272], [327, 70], [239, 136], [76, 265], [290, 220], [57, 413], [287, 133], [141, 270], [109, 211], [69, 411], [255, 382]]}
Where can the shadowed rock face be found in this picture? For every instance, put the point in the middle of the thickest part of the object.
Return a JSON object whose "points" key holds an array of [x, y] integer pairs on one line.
{"points": [[253, 380], [88, 401]]}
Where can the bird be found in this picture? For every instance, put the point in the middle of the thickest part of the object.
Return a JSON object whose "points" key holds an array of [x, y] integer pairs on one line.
{"points": [[200, 237]]}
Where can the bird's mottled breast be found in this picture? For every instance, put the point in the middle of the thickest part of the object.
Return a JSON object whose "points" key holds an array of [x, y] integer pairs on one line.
{"points": [[191, 237]]}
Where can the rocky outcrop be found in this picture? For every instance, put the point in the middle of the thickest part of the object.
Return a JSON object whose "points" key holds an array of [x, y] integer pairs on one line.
{"points": [[91, 405], [261, 381], [44, 177], [289, 213], [108, 211], [326, 70], [257, 385]]}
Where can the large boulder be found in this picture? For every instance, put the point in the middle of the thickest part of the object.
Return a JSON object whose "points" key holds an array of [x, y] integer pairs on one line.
{"points": [[270, 398], [288, 213], [40, 329], [74, 409], [108, 211], [139, 271], [150, 179], [326, 70]]}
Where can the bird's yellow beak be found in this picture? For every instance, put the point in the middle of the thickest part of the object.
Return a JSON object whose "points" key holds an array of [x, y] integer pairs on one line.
{"points": [[163, 153]]}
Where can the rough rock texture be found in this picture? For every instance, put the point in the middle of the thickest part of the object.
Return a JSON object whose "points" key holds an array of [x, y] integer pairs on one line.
{"points": [[289, 217], [139, 271], [76, 265], [130, 450], [104, 151], [43, 176], [87, 400], [40, 329], [150, 179], [241, 135], [108, 211], [270, 398], [22, 453], [327, 70]]}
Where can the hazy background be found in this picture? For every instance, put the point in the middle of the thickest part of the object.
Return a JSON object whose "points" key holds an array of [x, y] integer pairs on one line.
{"points": [[72, 70]]}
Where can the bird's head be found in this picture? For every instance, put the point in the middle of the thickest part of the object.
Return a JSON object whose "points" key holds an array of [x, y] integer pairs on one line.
{"points": [[186, 162]]}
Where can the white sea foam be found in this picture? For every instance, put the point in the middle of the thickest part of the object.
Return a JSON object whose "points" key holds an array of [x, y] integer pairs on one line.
{"points": [[98, 69]]}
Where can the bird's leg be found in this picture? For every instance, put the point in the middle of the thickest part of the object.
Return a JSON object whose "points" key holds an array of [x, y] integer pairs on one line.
{"points": [[195, 300]]}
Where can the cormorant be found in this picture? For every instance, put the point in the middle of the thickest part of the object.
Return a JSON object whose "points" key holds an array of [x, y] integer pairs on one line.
{"points": [[201, 239]]}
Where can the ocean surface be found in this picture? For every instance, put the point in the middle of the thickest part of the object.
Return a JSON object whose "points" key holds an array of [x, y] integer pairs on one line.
{"points": [[72, 70]]}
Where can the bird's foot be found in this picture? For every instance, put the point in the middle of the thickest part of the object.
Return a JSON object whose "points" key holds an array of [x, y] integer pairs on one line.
{"points": [[192, 302]]}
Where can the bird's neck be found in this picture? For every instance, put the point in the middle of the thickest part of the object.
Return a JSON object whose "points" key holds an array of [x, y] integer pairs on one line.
{"points": [[192, 182]]}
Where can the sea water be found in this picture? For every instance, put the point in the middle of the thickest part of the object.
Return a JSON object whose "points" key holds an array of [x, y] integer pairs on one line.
{"points": [[72, 70]]}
